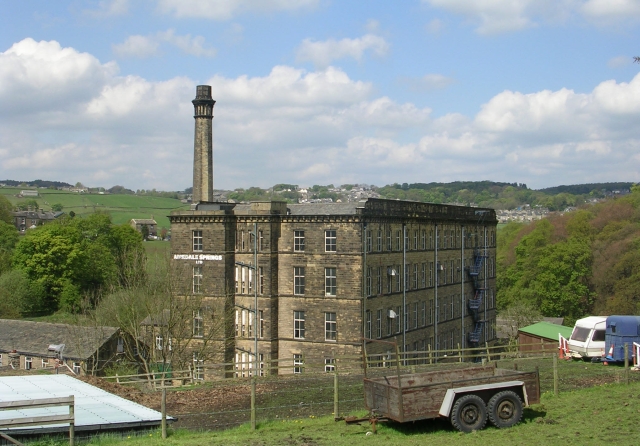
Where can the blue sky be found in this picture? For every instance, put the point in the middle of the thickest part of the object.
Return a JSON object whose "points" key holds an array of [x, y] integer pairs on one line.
{"points": [[542, 92]]}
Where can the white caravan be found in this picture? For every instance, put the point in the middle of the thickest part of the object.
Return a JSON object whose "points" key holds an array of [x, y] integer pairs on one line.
{"points": [[587, 338]]}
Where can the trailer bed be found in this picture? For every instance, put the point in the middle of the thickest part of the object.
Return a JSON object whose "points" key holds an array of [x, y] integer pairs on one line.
{"points": [[419, 396]]}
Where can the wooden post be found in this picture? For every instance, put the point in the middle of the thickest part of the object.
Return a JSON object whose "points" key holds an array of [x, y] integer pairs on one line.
{"points": [[626, 363], [72, 415], [486, 344], [163, 409], [253, 402], [336, 399], [542, 344], [555, 375], [117, 379], [459, 353], [429, 349]]}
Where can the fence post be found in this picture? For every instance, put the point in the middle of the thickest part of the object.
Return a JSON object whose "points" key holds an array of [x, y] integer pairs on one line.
{"points": [[253, 402], [542, 344], [72, 415], [336, 399], [429, 349], [626, 363], [459, 353], [555, 375], [163, 408]]}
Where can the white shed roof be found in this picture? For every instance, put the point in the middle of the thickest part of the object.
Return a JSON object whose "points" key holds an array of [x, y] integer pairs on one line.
{"points": [[95, 409]]}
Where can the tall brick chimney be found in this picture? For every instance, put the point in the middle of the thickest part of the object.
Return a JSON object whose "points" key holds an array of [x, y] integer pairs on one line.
{"points": [[203, 145]]}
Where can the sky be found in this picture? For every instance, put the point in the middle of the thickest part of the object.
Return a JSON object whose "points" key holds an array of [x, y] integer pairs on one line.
{"points": [[540, 92]]}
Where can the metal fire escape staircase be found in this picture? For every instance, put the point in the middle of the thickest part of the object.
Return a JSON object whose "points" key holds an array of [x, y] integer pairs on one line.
{"points": [[475, 304]]}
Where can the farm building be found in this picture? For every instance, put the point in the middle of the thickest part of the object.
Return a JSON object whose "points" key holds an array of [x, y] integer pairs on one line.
{"points": [[150, 223], [31, 345], [542, 336]]}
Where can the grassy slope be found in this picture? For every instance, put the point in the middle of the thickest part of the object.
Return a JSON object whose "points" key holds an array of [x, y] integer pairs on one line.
{"points": [[594, 416], [122, 208]]}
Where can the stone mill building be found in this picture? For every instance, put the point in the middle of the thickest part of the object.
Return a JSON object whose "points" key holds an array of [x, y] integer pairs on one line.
{"points": [[326, 276]]}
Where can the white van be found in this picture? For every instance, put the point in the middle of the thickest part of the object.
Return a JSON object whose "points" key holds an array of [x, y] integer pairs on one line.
{"points": [[587, 338]]}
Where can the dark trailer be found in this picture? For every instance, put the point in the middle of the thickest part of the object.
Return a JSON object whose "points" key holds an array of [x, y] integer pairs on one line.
{"points": [[620, 330]]}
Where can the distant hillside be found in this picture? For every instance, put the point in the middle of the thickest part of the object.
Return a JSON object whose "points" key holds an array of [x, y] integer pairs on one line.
{"points": [[36, 183], [585, 189]]}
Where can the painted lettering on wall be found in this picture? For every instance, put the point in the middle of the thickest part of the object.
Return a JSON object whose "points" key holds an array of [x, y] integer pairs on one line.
{"points": [[197, 257]]}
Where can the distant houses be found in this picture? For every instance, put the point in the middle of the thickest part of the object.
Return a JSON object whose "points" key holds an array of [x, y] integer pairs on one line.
{"points": [[139, 223], [24, 220]]}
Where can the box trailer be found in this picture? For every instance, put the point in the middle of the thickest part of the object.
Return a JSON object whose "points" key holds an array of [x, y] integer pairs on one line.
{"points": [[621, 330], [587, 338], [467, 396]]}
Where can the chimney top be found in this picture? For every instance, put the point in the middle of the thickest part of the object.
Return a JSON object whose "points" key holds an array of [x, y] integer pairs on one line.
{"points": [[203, 92]]}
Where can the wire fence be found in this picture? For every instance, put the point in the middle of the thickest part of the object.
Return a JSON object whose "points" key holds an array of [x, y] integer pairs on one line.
{"points": [[227, 403]]}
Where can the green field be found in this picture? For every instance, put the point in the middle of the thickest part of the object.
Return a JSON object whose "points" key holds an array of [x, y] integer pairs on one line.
{"points": [[605, 414], [122, 208]]}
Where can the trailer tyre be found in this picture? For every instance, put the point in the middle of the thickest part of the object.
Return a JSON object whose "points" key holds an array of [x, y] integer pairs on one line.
{"points": [[505, 409], [469, 414]]}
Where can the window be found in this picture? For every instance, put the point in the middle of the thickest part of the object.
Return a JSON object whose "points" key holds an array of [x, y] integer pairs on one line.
{"points": [[261, 282], [445, 237], [407, 284], [197, 279], [298, 362], [198, 367], [368, 237], [260, 240], [430, 311], [242, 240], [389, 279], [424, 240], [330, 240], [76, 368], [379, 281], [243, 281], [298, 241], [415, 276], [423, 314], [298, 324], [250, 272], [398, 245], [451, 238], [198, 324], [159, 342], [389, 322], [379, 241], [367, 327], [250, 324], [431, 239], [45, 363], [407, 323], [398, 281], [261, 324], [423, 276], [237, 323], [298, 280], [330, 286], [330, 327], [367, 289], [329, 365], [415, 315], [452, 271], [237, 280], [398, 321], [197, 240], [389, 241], [1, 363], [415, 240], [406, 240], [379, 324]]}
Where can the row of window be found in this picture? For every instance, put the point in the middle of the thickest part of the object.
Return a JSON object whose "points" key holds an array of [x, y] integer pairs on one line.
{"points": [[245, 324], [45, 363], [417, 314], [446, 239]]}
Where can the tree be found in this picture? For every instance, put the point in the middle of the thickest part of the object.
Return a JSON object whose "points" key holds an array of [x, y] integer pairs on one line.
{"points": [[6, 209], [29, 204], [57, 207], [8, 240], [144, 230], [18, 296]]}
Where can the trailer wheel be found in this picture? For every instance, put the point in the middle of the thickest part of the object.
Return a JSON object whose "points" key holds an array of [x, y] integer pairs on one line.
{"points": [[469, 414], [505, 409]]}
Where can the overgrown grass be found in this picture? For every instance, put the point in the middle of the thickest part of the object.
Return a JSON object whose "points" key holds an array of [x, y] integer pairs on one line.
{"points": [[593, 416]]}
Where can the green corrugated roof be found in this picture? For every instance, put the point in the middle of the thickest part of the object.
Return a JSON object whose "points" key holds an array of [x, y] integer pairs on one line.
{"points": [[547, 330]]}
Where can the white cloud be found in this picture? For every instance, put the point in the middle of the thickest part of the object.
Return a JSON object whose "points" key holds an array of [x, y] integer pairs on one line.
{"points": [[109, 8], [434, 26], [500, 16], [323, 53], [428, 82], [227, 9], [619, 61], [65, 115], [146, 46]]}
